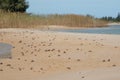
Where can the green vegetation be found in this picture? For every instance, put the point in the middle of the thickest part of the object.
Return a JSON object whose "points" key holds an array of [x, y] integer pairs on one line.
{"points": [[12, 15], [23, 20], [13, 5], [112, 19]]}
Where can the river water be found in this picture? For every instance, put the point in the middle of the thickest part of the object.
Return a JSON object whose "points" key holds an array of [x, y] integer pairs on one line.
{"points": [[114, 29]]}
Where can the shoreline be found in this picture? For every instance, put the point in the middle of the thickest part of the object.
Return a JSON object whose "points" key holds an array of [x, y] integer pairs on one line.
{"points": [[50, 31]]}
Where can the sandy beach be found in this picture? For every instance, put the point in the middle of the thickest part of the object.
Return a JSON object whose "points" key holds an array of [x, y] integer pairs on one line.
{"points": [[47, 55], [109, 24]]}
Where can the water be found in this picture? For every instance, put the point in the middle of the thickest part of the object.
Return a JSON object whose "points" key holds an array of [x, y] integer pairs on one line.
{"points": [[5, 50], [114, 29]]}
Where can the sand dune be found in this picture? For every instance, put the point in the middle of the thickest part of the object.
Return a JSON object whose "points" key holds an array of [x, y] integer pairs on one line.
{"points": [[45, 55]]}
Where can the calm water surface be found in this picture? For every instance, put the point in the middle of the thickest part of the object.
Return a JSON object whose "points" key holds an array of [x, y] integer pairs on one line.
{"points": [[115, 29]]}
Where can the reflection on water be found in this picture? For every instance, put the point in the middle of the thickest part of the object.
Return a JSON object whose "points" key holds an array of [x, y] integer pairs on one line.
{"points": [[5, 50], [106, 30]]}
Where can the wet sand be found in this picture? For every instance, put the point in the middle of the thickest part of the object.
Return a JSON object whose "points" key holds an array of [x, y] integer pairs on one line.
{"points": [[5, 50], [38, 55]]}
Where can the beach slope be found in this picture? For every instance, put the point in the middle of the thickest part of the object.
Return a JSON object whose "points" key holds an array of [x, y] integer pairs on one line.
{"points": [[47, 55]]}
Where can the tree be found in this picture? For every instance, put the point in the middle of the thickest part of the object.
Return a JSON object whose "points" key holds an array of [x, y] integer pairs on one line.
{"points": [[14, 5], [118, 17]]}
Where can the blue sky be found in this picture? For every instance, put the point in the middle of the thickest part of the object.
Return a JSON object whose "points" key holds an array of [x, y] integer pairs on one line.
{"points": [[97, 8]]}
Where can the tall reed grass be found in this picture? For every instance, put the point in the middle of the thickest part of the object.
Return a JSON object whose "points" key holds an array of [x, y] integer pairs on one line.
{"points": [[22, 20]]}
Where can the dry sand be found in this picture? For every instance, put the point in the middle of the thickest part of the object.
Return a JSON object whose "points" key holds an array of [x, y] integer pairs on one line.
{"points": [[38, 55], [113, 23]]}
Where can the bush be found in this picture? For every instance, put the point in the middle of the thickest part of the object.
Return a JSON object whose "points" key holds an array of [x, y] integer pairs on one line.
{"points": [[14, 5]]}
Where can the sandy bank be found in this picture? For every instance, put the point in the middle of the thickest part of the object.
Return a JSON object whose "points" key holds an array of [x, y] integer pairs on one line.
{"points": [[97, 74], [110, 24], [38, 55]]}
